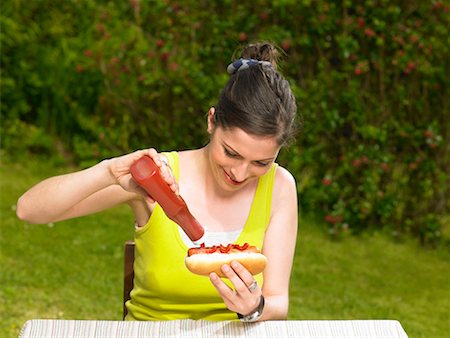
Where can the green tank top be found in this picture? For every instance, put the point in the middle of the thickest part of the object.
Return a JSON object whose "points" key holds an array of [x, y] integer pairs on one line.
{"points": [[164, 289]]}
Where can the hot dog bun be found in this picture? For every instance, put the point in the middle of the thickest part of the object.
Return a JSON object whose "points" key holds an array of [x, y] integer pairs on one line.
{"points": [[204, 260]]}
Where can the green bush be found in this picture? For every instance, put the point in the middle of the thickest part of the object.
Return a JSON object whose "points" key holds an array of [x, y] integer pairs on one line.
{"points": [[370, 78]]}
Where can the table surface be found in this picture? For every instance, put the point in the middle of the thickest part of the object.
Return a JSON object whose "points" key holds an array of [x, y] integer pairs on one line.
{"points": [[199, 328]]}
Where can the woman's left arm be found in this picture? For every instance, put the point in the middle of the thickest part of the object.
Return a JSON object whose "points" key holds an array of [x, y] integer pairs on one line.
{"points": [[279, 246]]}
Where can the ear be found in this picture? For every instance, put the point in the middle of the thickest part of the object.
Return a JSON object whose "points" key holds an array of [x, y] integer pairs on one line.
{"points": [[211, 120]]}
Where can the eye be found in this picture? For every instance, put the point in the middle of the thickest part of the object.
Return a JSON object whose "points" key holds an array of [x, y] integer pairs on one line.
{"points": [[230, 153], [261, 164]]}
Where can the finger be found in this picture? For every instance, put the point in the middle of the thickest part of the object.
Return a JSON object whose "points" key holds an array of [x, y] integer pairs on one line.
{"points": [[227, 294], [167, 174], [169, 177], [238, 283], [243, 300], [153, 154], [245, 276], [175, 188]]}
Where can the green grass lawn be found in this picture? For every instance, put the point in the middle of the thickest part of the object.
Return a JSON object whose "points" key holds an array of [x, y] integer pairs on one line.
{"points": [[73, 270]]}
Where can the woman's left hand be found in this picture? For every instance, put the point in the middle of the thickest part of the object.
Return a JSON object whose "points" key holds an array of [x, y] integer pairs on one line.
{"points": [[245, 297]]}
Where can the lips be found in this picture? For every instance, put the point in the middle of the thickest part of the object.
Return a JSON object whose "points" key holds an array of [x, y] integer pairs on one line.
{"points": [[232, 181]]}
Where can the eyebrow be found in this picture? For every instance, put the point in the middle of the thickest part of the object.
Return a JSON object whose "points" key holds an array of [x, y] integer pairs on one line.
{"points": [[262, 160]]}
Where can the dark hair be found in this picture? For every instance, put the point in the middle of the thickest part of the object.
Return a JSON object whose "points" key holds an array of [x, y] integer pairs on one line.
{"points": [[258, 99]]}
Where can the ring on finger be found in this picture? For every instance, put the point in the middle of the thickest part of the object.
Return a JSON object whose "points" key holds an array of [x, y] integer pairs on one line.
{"points": [[164, 161], [252, 287]]}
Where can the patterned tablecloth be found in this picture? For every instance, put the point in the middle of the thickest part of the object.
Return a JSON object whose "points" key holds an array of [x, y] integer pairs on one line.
{"points": [[198, 328]]}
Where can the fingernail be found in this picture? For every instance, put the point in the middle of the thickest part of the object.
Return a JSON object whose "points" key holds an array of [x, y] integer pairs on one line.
{"points": [[225, 268]]}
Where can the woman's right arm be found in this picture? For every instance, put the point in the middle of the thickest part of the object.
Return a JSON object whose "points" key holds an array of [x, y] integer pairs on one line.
{"points": [[97, 188]]}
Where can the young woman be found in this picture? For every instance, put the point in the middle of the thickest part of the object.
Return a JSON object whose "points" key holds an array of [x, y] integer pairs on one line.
{"points": [[232, 186]]}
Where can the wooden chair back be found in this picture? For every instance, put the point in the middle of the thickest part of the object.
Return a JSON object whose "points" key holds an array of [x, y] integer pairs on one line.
{"points": [[128, 273]]}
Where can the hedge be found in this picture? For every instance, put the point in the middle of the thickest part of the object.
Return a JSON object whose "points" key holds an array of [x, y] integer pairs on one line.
{"points": [[101, 78]]}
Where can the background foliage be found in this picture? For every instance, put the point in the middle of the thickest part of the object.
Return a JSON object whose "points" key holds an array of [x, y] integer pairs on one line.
{"points": [[97, 79]]}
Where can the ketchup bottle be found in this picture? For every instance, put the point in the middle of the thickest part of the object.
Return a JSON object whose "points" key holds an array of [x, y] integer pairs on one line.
{"points": [[146, 173]]}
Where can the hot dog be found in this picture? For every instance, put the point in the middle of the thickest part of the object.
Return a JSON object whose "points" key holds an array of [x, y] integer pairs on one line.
{"points": [[204, 260]]}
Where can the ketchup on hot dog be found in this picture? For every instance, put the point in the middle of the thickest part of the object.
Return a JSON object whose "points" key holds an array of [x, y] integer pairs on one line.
{"points": [[222, 249]]}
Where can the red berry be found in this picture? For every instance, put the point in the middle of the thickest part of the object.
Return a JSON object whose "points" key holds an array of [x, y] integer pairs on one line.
{"points": [[114, 60], [428, 133], [79, 68], [361, 22], [286, 45], [327, 181], [264, 16], [333, 219], [413, 166], [438, 5], [165, 56], [160, 43], [100, 28], [243, 37], [369, 32], [173, 66], [134, 4], [356, 163]]}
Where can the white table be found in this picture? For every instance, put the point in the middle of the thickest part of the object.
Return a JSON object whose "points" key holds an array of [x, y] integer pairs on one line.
{"points": [[46, 328]]}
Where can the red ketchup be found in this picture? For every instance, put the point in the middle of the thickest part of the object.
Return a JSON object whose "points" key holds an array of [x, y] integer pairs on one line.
{"points": [[146, 173]]}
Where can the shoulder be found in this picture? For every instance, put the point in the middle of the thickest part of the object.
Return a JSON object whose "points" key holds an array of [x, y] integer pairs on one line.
{"points": [[186, 155], [283, 179], [284, 188]]}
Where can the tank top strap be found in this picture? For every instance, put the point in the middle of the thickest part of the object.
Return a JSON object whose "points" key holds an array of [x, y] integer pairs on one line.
{"points": [[261, 207], [174, 163]]}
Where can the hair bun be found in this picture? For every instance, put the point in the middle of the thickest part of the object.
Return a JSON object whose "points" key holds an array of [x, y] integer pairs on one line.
{"points": [[262, 51]]}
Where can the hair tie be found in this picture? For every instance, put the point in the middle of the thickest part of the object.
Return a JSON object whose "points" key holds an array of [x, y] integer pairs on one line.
{"points": [[244, 64]]}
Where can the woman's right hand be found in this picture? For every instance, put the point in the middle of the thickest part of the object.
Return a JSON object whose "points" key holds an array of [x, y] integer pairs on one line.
{"points": [[119, 168]]}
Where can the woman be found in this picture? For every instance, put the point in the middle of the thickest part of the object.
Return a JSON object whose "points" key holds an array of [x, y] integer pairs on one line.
{"points": [[232, 185]]}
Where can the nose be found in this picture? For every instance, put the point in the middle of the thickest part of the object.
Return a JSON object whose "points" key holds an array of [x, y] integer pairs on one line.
{"points": [[239, 172]]}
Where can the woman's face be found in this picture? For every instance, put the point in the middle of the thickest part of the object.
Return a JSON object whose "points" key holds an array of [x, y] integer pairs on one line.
{"points": [[238, 158]]}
